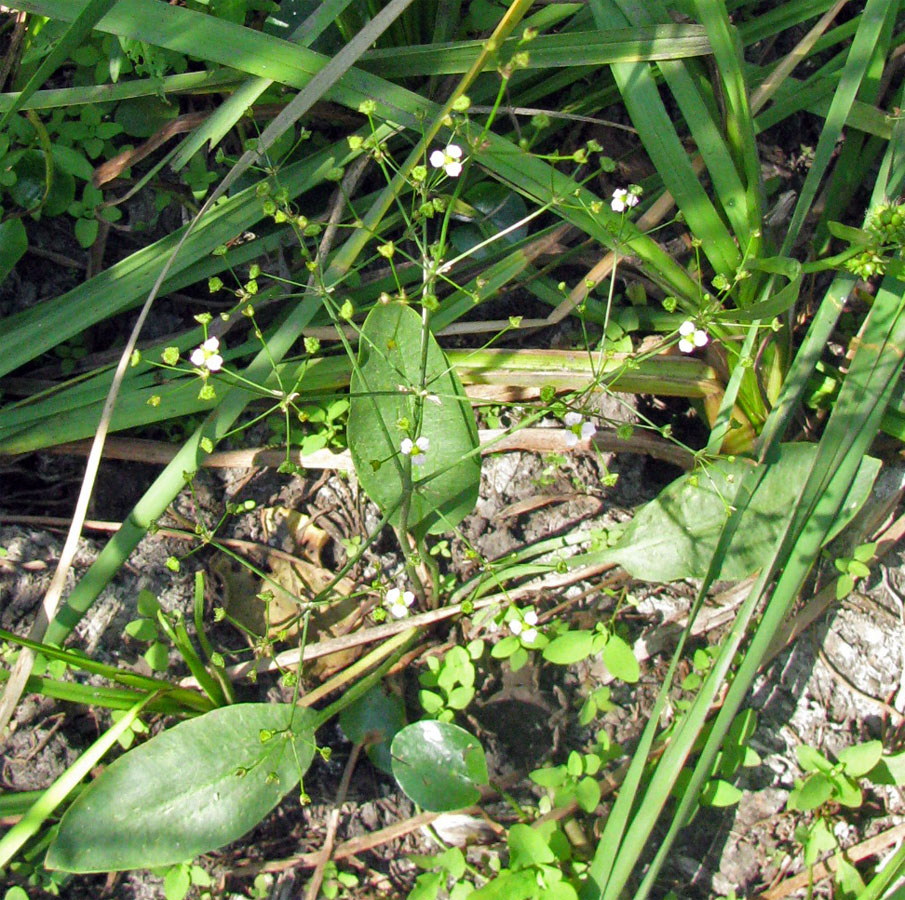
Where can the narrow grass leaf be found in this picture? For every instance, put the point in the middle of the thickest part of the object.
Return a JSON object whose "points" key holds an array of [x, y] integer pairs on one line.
{"points": [[92, 12], [575, 48], [871, 27], [658, 134], [60, 98]]}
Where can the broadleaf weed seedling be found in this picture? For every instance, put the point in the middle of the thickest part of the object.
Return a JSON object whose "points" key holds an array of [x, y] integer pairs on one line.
{"points": [[448, 685]]}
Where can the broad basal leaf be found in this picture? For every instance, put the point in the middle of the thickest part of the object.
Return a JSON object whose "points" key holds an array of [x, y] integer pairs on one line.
{"points": [[401, 389], [675, 535], [191, 789]]}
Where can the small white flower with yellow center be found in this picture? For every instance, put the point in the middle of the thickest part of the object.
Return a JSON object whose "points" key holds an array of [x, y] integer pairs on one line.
{"points": [[579, 430], [398, 602], [416, 449], [450, 160], [692, 336], [623, 200], [207, 356]]}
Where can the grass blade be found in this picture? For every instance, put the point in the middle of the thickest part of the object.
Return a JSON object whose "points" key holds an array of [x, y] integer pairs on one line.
{"points": [[80, 28]]}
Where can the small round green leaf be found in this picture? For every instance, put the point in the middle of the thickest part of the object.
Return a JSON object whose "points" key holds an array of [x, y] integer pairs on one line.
{"points": [[569, 648], [812, 760], [176, 883], [889, 770], [527, 847], [720, 793], [587, 794], [552, 776], [157, 656], [142, 116], [814, 792], [860, 759], [505, 648], [439, 765], [28, 191], [142, 630], [620, 659], [72, 161]]}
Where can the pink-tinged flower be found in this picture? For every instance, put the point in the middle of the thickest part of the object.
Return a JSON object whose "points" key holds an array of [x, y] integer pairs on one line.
{"points": [[623, 200], [578, 429], [692, 336], [449, 160], [398, 602], [416, 449], [207, 356]]}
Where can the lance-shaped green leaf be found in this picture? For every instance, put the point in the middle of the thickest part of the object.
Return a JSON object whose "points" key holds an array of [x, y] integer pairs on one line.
{"points": [[191, 789], [405, 389]]}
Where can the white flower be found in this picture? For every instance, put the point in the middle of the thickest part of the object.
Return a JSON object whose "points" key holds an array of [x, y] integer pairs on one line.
{"points": [[692, 336], [398, 602], [449, 160], [207, 356], [578, 429], [415, 449], [517, 626], [623, 199]]}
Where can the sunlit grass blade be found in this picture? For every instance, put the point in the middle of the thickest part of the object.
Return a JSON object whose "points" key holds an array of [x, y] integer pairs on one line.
{"points": [[859, 154], [71, 415], [889, 183], [778, 19], [573, 48], [873, 21], [849, 433], [95, 300], [658, 134], [856, 416], [41, 327], [189, 82], [28, 825], [218, 41], [739, 131], [768, 87]]}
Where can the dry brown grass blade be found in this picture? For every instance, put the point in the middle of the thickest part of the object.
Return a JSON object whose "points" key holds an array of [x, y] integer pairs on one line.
{"points": [[531, 440]]}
